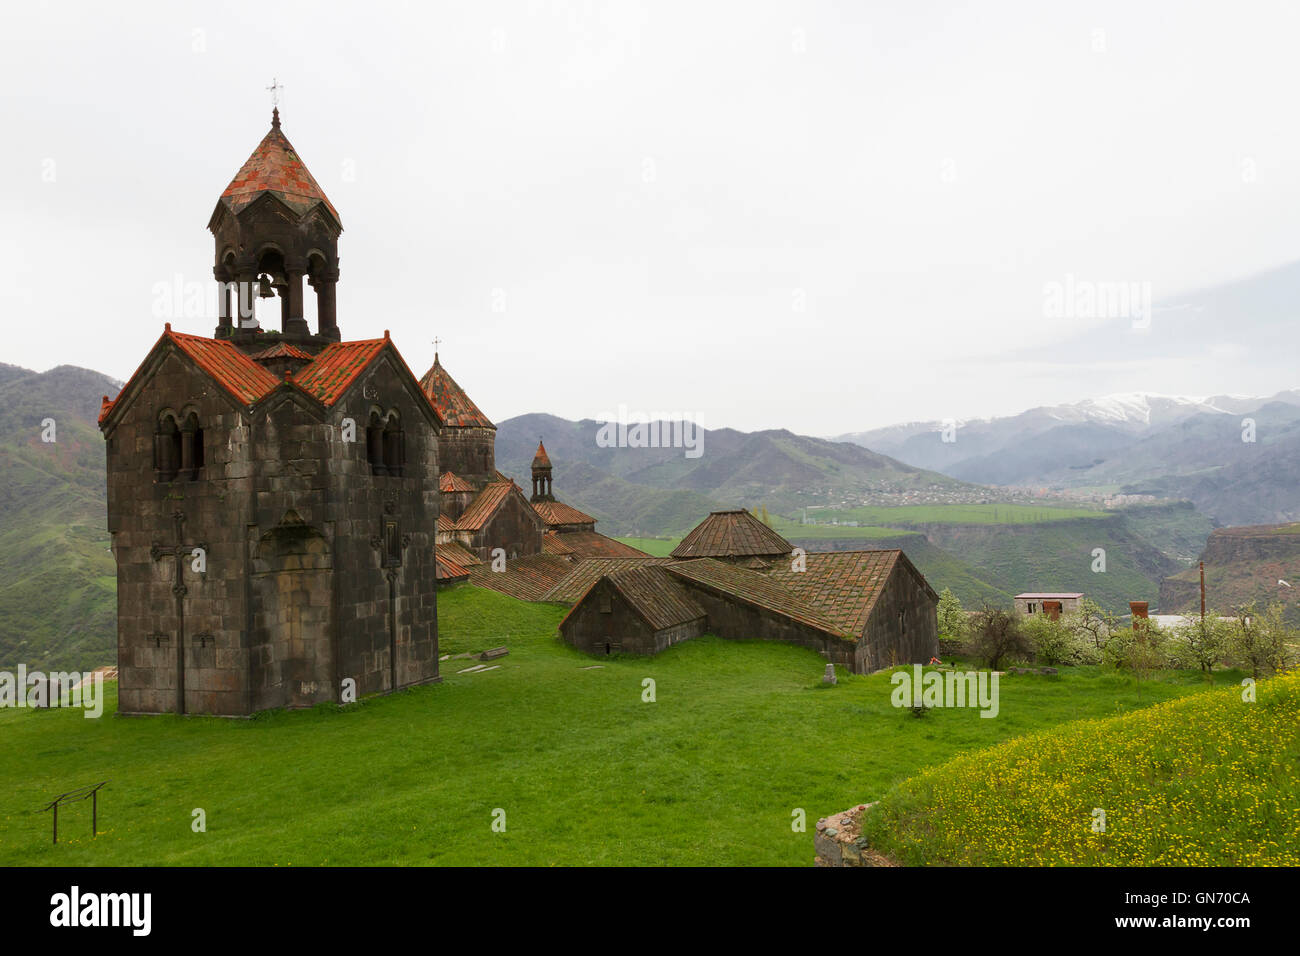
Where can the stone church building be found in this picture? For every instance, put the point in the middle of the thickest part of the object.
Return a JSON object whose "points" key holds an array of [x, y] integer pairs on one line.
{"points": [[272, 494]]}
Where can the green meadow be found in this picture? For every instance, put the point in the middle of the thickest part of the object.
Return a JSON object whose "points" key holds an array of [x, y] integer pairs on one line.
{"points": [[741, 739], [908, 515]]}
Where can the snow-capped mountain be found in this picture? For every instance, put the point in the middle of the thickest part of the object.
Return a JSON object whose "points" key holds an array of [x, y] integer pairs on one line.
{"points": [[1135, 442]]}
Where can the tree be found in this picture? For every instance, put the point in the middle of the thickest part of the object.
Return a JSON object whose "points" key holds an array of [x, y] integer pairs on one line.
{"points": [[1052, 640], [1260, 642], [1139, 649], [1205, 639], [952, 619], [996, 635], [1090, 622]]}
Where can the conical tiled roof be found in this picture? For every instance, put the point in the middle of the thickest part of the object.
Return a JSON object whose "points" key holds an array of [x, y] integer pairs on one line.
{"points": [[731, 534], [541, 459], [450, 400], [276, 167]]}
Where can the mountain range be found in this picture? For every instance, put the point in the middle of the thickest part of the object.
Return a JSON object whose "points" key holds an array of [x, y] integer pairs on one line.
{"points": [[1235, 457]]}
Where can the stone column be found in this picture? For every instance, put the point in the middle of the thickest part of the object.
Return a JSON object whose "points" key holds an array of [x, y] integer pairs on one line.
{"points": [[245, 307], [292, 322], [224, 313], [327, 317]]}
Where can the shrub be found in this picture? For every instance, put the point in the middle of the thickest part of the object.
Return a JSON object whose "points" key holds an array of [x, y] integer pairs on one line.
{"points": [[1263, 644], [996, 636], [1054, 642]]}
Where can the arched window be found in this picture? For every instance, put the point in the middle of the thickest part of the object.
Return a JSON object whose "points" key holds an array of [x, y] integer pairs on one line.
{"points": [[166, 448], [375, 444], [394, 445], [191, 448]]}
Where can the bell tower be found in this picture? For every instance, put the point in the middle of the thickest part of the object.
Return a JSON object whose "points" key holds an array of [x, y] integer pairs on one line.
{"points": [[274, 230], [542, 475]]}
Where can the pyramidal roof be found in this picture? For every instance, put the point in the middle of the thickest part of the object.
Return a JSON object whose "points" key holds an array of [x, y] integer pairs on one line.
{"points": [[731, 534], [541, 459], [453, 405], [275, 167]]}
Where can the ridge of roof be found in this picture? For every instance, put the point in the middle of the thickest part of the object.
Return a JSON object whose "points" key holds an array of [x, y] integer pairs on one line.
{"points": [[756, 589]]}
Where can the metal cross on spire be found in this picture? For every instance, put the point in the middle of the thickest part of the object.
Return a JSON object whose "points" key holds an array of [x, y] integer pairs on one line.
{"points": [[275, 88], [436, 342]]}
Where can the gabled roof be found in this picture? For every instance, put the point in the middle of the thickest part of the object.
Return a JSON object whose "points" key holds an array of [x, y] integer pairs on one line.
{"points": [[653, 595], [281, 350], [588, 571], [276, 168], [446, 523], [337, 367], [541, 459], [556, 513], [755, 589], [553, 543], [731, 534], [448, 570], [245, 380], [844, 586], [524, 578], [453, 405], [486, 504], [451, 483], [458, 553]]}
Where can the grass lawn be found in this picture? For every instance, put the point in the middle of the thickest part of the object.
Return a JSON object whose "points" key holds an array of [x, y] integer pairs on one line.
{"points": [[659, 547], [741, 735]]}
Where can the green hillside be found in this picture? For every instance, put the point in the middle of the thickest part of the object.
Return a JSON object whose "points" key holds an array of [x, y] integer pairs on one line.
{"points": [[414, 778], [57, 590], [1209, 780]]}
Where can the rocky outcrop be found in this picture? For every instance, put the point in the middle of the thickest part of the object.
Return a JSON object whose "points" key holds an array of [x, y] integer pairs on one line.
{"points": [[838, 841]]}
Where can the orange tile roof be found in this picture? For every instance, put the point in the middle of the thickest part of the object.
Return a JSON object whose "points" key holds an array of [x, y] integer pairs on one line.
{"points": [[553, 543], [446, 523], [556, 513], [485, 505], [230, 368], [541, 459], [731, 534], [756, 589], [275, 167], [456, 552], [841, 585], [453, 405], [448, 570], [282, 350], [337, 367], [450, 482]]}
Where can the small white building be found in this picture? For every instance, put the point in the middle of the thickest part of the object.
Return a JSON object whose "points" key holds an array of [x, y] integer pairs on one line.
{"points": [[1033, 602]]}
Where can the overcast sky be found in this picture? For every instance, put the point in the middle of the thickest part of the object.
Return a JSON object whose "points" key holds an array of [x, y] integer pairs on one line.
{"points": [[823, 217]]}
